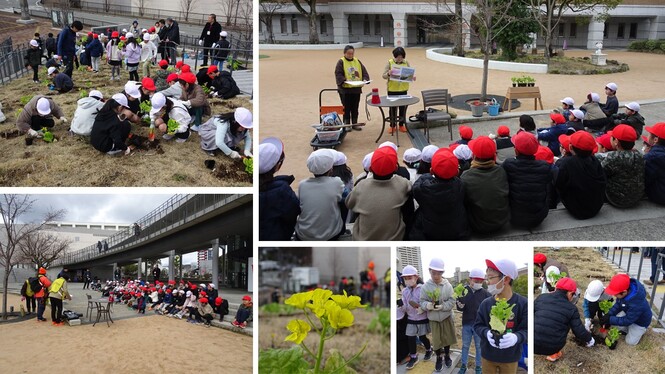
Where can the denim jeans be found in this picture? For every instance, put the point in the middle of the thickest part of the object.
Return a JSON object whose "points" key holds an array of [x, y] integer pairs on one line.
{"points": [[467, 334]]}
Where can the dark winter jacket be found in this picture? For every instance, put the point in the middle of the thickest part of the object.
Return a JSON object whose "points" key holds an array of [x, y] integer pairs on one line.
{"points": [[222, 48], [67, 42], [441, 214], [517, 325], [553, 317], [279, 208], [486, 198], [50, 44], [108, 132], [202, 77], [624, 171], [551, 136], [635, 305], [63, 82], [611, 106], [33, 57], [580, 184], [528, 180], [173, 33], [52, 63], [654, 178], [225, 85], [471, 302], [635, 121], [95, 48], [208, 38]]}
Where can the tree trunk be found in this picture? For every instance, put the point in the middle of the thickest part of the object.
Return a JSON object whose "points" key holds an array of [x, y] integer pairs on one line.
{"points": [[5, 291], [460, 29], [548, 36], [25, 12], [313, 35], [271, 34], [486, 65]]}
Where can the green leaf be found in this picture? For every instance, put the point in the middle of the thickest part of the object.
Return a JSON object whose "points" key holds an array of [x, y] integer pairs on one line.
{"points": [[337, 364], [25, 99], [283, 361], [145, 106], [381, 323], [172, 126], [612, 336], [249, 165], [605, 305], [460, 291], [500, 314]]}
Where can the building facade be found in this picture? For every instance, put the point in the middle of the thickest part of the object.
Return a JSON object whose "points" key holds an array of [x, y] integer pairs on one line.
{"points": [[83, 234], [410, 256]]}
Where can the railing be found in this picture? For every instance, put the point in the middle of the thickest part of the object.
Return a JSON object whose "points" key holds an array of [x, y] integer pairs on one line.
{"points": [[12, 64], [177, 210]]}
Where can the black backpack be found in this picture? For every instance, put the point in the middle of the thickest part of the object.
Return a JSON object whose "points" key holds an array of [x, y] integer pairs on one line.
{"points": [[35, 284], [364, 277]]}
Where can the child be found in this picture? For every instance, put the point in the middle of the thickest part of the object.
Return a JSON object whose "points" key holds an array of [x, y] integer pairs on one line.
{"points": [[164, 110], [114, 55], [95, 50], [244, 313], [440, 195], [631, 312], [222, 83], [654, 164], [33, 58], [624, 169], [61, 81], [604, 143], [527, 124], [591, 108], [575, 120], [320, 196], [412, 157], [50, 45], [203, 311], [465, 134], [417, 323], [568, 104], [551, 135], [630, 117], [611, 105], [221, 307], [55, 61], [194, 98], [343, 172], [148, 54], [468, 305], [367, 160], [109, 132], [439, 312], [86, 112], [174, 89], [132, 52], [227, 132], [160, 76], [426, 158], [37, 114], [464, 156], [504, 146], [595, 293]]}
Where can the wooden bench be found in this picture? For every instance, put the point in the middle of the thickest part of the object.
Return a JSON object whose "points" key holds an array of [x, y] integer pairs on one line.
{"points": [[522, 93]]}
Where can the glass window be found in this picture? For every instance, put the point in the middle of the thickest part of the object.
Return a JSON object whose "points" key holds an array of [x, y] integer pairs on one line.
{"points": [[377, 25], [620, 31], [562, 29], [282, 24], [605, 30], [633, 31], [573, 30], [294, 24], [366, 25], [324, 25], [350, 25]]}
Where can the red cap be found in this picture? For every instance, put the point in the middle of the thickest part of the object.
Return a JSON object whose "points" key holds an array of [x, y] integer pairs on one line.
{"points": [[163, 63], [539, 258], [95, 36], [186, 69], [152, 29], [565, 142], [203, 293], [193, 286], [465, 132], [503, 131], [203, 300], [115, 34], [618, 284], [148, 84], [247, 297], [444, 164], [483, 147], [168, 290], [584, 141], [384, 161], [42, 271], [212, 69], [188, 77], [172, 77], [566, 284], [179, 64], [90, 34], [525, 143], [604, 140], [123, 38], [657, 130], [218, 301], [557, 118], [545, 154], [623, 132], [172, 282]]}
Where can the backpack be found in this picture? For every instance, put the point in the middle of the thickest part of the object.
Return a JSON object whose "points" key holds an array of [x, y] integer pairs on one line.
{"points": [[420, 116], [35, 284], [364, 277]]}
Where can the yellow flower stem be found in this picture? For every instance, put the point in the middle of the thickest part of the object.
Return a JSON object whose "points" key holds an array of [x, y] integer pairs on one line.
{"points": [[355, 357], [334, 332], [307, 350], [311, 323], [321, 343]]}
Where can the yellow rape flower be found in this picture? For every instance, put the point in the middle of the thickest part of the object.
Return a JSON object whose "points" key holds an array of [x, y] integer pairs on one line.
{"points": [[348, 302], [299, 300], [337, 316], [299, 330], [319, 299]]}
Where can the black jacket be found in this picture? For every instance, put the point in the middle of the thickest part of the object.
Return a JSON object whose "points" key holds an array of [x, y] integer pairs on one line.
{"points": [[554, 316], [225, 85], [173, 33], [215, 29], [222, 48], [441, 214], [528, 180], [109, 133], [471, 303], [33, 57], [581, 185], [202, 77], [279, 208]]}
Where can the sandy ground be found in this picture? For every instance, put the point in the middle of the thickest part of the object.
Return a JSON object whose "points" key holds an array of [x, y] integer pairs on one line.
{"points": [[290, 82], [136, 345]]}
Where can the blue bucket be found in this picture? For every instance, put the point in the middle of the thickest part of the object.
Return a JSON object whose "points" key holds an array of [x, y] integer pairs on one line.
{"points": [[493, 110]]}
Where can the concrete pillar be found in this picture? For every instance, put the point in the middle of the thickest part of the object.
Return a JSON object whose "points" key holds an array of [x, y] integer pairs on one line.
{"points": [[215, 262], [340, 28], [595, 34], [171, 265], [399, 30], [465, 29], [140, 268]]}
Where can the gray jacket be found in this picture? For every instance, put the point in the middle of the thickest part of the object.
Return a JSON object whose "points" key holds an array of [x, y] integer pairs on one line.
{"points": [[445, 300]]}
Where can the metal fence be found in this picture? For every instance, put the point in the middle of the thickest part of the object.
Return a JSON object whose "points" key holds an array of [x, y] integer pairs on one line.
{"points": [[12, 62]]}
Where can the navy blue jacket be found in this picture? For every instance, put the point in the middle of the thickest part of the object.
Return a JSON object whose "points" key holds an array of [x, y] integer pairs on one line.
{"points": [[528, 181], [67, 42], [95, 48], [518, 324], [63, 81], [471, 302], [554, 317], [654, 177], [441, 214], [551, 136], [635, 305], [279, 208], [580, 184]]}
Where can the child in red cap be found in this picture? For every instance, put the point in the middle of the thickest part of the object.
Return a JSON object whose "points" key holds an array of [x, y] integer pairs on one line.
{"points": [[160, 75], [244, 313], [631, 312], [441, 214], [221, 307], [654, 160], [624, 169], [465, 134], [551, 135], [504, 146]]}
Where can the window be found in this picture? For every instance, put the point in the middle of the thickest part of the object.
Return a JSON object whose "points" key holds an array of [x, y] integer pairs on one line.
{"points": [[562, 29], [350, 25], [620, 31], [324, 25], [573, 30], [633, 31], [605, 30], [366, 29], [377, 25], [282, 24], [294, 24]]}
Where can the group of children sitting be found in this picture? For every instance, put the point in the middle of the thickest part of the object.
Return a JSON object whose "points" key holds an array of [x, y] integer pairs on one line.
{"points": [[474, 185]]}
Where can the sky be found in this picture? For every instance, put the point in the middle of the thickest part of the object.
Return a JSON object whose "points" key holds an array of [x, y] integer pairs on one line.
{"points": [[472, 255]]}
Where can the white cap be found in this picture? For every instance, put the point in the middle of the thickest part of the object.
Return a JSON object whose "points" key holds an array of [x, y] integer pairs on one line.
{"points": [[320, 161], [568, 101], [124, 30], [577, 113], [120, 99], [146, 37], [506, 267], [129, 35], [158, 101], [212, 285], [388, 144], [412, 155], [463, 152], [270, 151], [132, 89], [594, 290], [340, 159], [550, 272], [51, 70], [409, 270], [97, 94], [612, 86], [223, 33], [477, 273], [202, 285], [594, 97], [188, 294], [633, 106], [182, 291], [428, 153], [437, 264], [144, 30], [367, 161], [34, 43], [43, 106], [102, 35], [244, 117]]}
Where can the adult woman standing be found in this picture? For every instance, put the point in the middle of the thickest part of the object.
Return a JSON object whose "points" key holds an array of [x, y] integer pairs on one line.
{"points": [[111, 127], [57, 293], [397, 87], [350, 69]]}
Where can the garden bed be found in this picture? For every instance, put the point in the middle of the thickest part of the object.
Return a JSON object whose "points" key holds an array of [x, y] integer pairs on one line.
{"points": [[563, 65]]}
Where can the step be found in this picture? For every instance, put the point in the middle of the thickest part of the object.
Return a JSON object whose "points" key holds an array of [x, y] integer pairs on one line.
{"points": [[249, 330], [428, 366]]}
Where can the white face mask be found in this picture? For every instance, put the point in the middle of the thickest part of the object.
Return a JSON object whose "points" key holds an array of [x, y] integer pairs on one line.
{"points": [[476, 286], [410, 282], [493, 290]]}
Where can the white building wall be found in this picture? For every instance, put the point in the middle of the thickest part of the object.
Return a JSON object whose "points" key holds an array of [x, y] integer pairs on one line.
{"points": [[334, 263]]}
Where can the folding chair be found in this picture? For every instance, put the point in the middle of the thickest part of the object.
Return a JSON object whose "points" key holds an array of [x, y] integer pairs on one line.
{"points": [[436, 97]]}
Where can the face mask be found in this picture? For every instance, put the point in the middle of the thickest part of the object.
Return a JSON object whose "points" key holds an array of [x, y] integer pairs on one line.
{"points": [[477, 286], [493, 290], [410, 282]]}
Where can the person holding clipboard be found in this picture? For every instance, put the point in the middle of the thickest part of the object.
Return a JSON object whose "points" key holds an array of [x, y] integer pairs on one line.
{"points": [[350, 75], [396, 85]]}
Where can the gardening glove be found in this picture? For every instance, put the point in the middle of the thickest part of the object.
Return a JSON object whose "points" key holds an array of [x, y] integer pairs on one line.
{"points": [[35, 134], [587, 324], [420, 310], [605, 321], [63, 119], [234, 155], [591, 343], [508, 340], [248, 154], [429, 306], [460, 305], [438, 307], [490, 339], [128, 151], [215, 94], [201, 42], [187, 103]]}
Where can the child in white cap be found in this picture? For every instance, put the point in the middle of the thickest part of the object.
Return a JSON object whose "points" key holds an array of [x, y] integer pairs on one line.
{"points": [[109, 131], [37, 114], [367, 160], [86, 112], [611, 105], [594, 294], [631, 117], [567, 104], [426, 158], [411, 159], [417, 323], [33, 58], [226, 132], [591, 107], [163, 111]]}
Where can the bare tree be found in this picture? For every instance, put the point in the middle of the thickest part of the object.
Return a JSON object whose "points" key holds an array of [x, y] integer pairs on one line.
{"points": [[311, 17], [246, 23], [268, 9], [140, 4], [107, 5], [186, 6], [42, 248], [13, 233]]}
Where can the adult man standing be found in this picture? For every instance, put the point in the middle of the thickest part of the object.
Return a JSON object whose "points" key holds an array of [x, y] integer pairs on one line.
{"points": [[42, 294], [209, 35], [87, 278], [156, 272], [67, 45], [172, 39]]}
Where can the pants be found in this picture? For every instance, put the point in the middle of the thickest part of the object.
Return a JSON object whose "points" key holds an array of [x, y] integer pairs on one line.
{"points": [[56, 309], [490, 367], [171, 51], [634, 333], [35, 72], [207, 52], [41, 306], [350, 101], [86, 284], [95, 63], [402, 109], [39, 122], [220, 63], [68, 63], [367, 296], [133, 71], [654, 259], [197, 113], [146, 68], [242, 315], [412, 344], [467, 334], [30, 304]]}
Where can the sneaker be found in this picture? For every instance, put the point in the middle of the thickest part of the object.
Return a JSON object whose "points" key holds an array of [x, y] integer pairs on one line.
{"points": [[179, 316], [357, 128], [167, 137], [402, 128], [439, 364], [648, 282], [181, 140], [37, 81], [428, 355], [554, 357], [448, 361], [234, 323], [243, 325], [195, 128], [412, 362], [391, 130], [462, 369]]}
